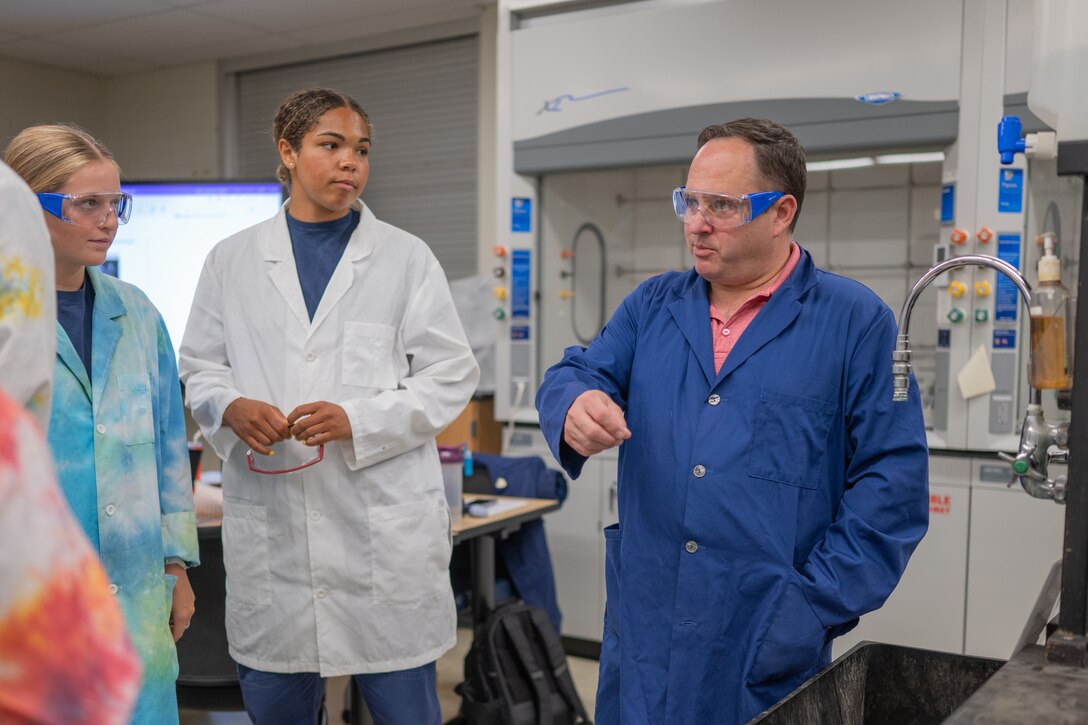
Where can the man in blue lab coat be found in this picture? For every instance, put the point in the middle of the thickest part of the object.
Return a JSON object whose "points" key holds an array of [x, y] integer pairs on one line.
{"points": [[770, 491]]}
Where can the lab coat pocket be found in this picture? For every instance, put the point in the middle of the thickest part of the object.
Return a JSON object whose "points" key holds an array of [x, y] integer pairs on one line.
{"points": [[793, 639], [792, 431], [245, 555], [409, 551], [368, 355], [139, 425]]}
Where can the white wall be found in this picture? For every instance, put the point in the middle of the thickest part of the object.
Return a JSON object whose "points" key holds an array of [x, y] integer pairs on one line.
{"points": [[165, 124], [35, 94]]}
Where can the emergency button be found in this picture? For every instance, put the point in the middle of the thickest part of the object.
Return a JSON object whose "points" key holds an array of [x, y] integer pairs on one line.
{"points": [[100, 428], [714, 399], [699, 471], [691, 547]]}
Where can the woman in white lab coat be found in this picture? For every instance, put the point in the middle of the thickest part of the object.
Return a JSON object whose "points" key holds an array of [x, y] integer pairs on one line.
{"points": [[323, 346]]}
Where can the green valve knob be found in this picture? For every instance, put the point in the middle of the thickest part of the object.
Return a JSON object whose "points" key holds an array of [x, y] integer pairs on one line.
{"points": [[982, 315], [955, 314], [1021, 467], [498, 313]]}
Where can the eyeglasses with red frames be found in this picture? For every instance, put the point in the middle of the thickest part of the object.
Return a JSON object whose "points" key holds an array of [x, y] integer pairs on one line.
{"points": [[253, 467]]}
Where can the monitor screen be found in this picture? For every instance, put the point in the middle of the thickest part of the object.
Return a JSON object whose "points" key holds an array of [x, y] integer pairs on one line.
{"points": [[173, 227]]}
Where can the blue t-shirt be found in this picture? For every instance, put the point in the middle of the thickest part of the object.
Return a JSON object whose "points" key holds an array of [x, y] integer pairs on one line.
{"points": [[75, 311], [317, 247]]}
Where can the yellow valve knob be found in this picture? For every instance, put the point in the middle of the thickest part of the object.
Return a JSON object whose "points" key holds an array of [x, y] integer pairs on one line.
{"points": [[982, 289], [499, 293], [957, 289], [566, 294]]}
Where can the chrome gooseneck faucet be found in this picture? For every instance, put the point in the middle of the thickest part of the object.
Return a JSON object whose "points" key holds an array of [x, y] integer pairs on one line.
{"points": [[1037, 436]]}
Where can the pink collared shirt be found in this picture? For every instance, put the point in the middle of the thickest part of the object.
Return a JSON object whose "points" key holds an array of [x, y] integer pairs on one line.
{"points": [[725, 333]]}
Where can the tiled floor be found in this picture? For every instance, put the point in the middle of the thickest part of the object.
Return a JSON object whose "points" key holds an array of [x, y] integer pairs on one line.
{"points": [[450, 673]]}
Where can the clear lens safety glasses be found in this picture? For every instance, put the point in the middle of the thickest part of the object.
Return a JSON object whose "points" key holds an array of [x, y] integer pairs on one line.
{"points": [[253, 463], [721, 211], [87, 209]]}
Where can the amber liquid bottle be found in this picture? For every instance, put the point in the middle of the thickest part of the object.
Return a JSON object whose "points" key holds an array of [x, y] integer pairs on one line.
{"points": [[1051, 362]]}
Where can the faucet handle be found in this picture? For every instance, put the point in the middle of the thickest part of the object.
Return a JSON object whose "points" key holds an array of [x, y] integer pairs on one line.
{"points": [[1021, 466]]}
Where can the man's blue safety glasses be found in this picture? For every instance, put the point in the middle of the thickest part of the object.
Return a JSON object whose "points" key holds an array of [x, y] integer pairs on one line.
{"points": [[721, 211]]}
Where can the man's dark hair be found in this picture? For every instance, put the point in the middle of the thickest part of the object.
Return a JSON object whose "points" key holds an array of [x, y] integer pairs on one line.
{"points": [[780, 158]]}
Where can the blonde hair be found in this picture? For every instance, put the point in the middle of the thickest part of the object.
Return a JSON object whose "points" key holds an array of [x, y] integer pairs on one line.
{"points": [[47, 156]]}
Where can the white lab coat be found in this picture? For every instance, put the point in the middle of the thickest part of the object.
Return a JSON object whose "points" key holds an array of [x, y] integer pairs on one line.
{"points": [[341, 568]]}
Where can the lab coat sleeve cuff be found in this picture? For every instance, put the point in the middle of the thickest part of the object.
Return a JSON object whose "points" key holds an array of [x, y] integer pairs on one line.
{"points": [[179, 538], [222, 437]]}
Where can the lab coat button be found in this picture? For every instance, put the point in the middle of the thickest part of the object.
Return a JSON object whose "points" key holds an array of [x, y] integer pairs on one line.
{"points": [[315, 515], [100, 428], [699, 471], [310, 357], [113, 588], [714, 399], [110, 509], [320, 593], [691, 547]]}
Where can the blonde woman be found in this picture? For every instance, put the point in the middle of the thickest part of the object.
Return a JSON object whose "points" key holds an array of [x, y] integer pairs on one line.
{"points": [[117, 431]]}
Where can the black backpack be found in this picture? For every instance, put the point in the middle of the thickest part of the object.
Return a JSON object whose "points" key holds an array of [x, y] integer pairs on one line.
{"points": [[516, 673]]}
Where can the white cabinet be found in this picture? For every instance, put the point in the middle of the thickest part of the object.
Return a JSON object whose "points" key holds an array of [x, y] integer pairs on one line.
{"points": [[1015, 539]]}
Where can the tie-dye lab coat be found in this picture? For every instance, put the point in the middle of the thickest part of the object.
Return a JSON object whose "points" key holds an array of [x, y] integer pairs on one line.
{"points": [[64, 654], [125, 436], [28, 303]]}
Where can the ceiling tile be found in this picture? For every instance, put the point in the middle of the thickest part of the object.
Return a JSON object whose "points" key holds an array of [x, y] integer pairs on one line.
{"points": [[35, 18], [286, 16], [266, 43], [148, 35], [384, 23]]}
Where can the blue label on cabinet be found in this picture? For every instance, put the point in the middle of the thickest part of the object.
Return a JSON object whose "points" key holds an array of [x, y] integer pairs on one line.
{"points": [[519, 332], [1004, 339], [1010, 190], [1006, 293], [948, 203], [519, 283], [521, 214]]}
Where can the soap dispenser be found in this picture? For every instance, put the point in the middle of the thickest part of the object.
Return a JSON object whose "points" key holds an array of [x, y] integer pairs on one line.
{"points": [[1051, 360]]}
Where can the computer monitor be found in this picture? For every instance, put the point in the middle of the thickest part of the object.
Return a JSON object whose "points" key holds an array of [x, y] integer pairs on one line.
{"points": [[173, 227]]}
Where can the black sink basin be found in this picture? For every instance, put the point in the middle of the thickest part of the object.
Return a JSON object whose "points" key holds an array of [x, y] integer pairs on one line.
{"points": [[883, 684]]}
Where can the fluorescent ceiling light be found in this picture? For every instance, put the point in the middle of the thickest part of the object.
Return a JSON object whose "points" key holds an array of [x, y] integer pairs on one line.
{"points": [[840, 164], [928, 157]]}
